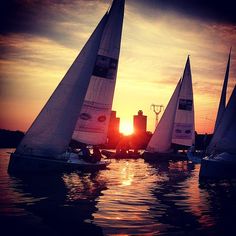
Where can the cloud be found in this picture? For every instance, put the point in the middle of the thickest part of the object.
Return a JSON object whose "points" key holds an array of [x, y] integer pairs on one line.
{"points": [[216, 11], [42, 38], [57, 20]]}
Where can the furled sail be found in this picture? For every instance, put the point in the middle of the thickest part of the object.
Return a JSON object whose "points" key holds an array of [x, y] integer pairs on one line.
{"points": [[51, 132], [222, 103], [183, 131], [92, 124], [224, 138]]}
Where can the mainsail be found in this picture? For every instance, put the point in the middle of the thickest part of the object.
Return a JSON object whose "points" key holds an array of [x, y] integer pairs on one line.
{"points": [[92, 124], [51, 132], [222, 103], [183, 131], [177, 122]]}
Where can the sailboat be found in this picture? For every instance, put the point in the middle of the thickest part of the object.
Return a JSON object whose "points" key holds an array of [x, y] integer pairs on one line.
{"points": [[220, 162], [197, 157], [80, 106], [176, 127]]}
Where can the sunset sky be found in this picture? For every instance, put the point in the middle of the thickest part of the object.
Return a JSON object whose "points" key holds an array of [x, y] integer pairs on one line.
{"points": [[40, 39]]}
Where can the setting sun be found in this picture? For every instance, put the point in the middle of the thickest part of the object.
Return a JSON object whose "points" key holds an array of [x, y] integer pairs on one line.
{"points": [[126, 127]]}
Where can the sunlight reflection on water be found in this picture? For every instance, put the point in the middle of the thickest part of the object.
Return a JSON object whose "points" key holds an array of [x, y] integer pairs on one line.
{"points": [[130, 198]]}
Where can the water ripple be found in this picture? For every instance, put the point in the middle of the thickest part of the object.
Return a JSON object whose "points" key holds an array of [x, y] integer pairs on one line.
{"points": [[130, 198]]}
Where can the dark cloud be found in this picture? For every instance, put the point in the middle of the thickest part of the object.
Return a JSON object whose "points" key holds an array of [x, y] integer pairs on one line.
{"points": [[220, 11], [18, 16], [35, 15], [32, 15], [38, 16]]}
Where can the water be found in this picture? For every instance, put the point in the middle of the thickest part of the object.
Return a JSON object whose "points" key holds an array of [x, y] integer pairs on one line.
{"points": [[130, 198]]}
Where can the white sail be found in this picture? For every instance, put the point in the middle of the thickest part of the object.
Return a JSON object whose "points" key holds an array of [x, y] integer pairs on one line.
{"points": [[52, 130], [183, 131], [162, 136], [177, 122], [92, 125], [222, 103], [224, 138]]}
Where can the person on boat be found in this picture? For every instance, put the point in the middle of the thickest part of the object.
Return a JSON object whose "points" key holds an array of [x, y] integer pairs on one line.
{"points": [[123, 147], [96, 156], [192, 149], [85, 151], [175, 148], [204, 143], [135, 151], [86, 155]]}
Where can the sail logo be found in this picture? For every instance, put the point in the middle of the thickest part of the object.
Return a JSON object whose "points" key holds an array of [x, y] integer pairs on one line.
{"points": [[102, 118], [93, 118], [85, 116], [105, 67], [182, 131], [179, 131], [185, 104]]}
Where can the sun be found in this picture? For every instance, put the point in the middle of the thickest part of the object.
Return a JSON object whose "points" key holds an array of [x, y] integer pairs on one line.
{"points": [[126, 128]]}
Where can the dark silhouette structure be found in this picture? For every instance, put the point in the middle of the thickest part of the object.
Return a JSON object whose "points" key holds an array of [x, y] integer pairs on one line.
{"points": [[113, 135], [136, 141], [140, 123], [10, 139]]}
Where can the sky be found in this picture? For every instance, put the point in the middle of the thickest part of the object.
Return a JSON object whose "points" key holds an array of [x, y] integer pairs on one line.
{"points": [[39, 39]]}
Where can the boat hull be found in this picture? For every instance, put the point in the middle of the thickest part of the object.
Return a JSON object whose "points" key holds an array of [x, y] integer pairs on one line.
{"points": [[162, 157], [113, 155], [212, 168], [194, 157], [37, 164]]}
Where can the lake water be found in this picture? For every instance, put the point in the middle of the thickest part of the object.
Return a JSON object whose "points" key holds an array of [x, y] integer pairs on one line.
{"points": [[132, 197]]}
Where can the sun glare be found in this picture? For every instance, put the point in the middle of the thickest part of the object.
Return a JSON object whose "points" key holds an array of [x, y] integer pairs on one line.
{"points": [[126, 128]]}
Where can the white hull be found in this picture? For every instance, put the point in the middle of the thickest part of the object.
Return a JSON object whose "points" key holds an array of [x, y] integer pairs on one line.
{"points": [[221, 166], [38, 164]]}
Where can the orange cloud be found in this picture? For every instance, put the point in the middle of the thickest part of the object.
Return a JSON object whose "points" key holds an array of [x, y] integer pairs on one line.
{"points": [[153, 54]]}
